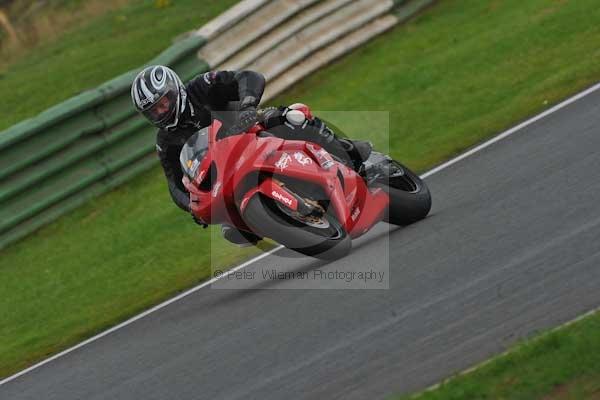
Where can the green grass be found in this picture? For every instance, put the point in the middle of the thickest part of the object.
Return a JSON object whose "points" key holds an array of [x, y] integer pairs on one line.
{"points": [[459, 73], [463, 71], [564, 364], [82, 59]]}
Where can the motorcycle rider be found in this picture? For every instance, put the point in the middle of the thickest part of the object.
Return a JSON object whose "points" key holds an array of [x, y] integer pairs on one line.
{"points": [[180, 110]]}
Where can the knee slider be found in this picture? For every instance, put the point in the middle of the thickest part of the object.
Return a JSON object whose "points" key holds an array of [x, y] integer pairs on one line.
{"points": [[302, 108], [298, 114]]}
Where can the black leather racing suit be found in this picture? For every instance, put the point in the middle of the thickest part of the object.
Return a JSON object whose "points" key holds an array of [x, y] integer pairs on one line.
{"points": [[212, 91]]}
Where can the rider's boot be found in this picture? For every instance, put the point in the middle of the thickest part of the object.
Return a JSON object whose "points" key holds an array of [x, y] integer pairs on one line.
{"points": [[239, 237], [371, 165], [358, 151]]}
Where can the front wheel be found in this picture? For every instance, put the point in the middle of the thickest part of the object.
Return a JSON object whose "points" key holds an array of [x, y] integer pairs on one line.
{"points": [[323, 238], [410, 199]]}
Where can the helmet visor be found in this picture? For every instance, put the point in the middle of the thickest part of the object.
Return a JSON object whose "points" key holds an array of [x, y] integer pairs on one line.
{"points": [[161, 112]]}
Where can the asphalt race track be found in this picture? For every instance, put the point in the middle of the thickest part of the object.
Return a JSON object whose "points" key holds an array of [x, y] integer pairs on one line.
{"points": [[511, 248]]}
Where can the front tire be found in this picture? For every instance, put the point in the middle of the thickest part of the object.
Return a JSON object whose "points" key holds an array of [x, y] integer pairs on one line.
{"points": [[329, 241]]}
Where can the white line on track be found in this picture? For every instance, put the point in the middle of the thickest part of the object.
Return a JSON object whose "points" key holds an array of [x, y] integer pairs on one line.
{"points": [[511, 131], [244, 265]]}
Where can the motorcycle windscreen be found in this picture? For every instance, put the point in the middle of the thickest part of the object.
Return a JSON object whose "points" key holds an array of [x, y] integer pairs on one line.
{"points": [[193, 152]]}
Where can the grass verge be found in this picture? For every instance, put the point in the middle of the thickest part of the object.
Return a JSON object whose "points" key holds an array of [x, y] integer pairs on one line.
{"points": [[450, 78], [106, 47], [463, 71], [563, 364], [31, 24]]}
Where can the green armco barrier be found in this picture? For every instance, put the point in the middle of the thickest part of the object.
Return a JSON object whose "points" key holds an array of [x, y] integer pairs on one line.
{"points": [[68, 204], [77, 177], [48, 118], [179, 50], [83, 147], [68, 155], [46, 141]]}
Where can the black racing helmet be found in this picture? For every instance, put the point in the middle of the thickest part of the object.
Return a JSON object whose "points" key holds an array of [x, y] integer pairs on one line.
{"points": [[158, 93]]}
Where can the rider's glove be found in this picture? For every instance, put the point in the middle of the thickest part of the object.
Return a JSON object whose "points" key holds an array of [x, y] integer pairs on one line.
{"points": [[247, 115], [246, 119]]}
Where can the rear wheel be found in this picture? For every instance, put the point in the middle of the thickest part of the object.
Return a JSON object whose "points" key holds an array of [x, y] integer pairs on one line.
{"points": [[410, 200], [321, 237]]}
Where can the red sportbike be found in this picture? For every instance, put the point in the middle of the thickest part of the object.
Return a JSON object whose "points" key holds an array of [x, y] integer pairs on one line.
{"points": [[295, 192]]}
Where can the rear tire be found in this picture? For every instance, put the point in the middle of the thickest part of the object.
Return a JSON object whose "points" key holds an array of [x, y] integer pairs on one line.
{"points": [[410, 199], [265, 218]]}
